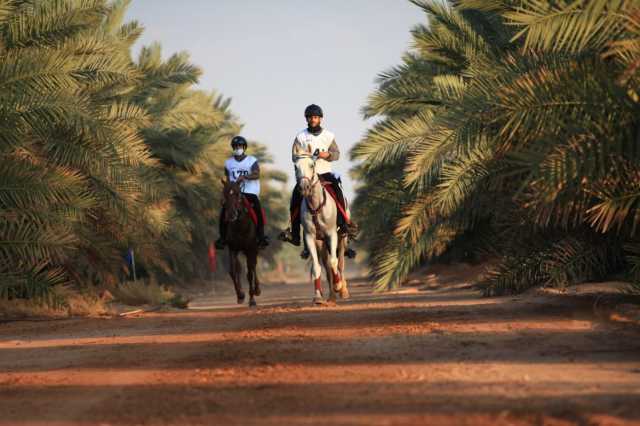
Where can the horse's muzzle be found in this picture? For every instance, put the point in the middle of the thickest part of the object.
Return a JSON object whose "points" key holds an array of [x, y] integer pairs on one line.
{"points": [[305, 187]]}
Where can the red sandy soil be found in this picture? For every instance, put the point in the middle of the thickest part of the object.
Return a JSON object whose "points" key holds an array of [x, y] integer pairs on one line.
{"points": [[439, 356]]}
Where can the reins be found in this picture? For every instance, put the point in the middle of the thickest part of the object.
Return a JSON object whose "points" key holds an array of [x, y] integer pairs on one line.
{"points": [[239, 207], [314, 182]]}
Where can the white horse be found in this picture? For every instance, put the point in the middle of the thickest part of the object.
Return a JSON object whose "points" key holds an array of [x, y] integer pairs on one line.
{"points": [[318, 215]]}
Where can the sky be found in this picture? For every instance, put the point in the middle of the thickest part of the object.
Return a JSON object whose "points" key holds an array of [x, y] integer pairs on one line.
{"points": [[274, 57]]}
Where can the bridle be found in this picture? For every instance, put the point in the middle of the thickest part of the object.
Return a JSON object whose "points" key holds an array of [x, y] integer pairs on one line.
{"points": [[314, 212], [234, 196], [313, 182]]}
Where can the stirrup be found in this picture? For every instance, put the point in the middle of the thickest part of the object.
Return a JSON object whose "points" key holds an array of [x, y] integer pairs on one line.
{"points": [[350, 253], [263, 242], [287, 237], [304, 254]]}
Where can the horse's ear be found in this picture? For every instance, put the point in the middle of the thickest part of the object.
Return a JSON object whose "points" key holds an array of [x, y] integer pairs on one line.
{"points": [[223, 181]]}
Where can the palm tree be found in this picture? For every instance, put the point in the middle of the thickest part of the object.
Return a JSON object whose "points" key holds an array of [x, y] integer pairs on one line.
{"points": [[70, 147], [514, 125], [188, 134], [101, 153]]}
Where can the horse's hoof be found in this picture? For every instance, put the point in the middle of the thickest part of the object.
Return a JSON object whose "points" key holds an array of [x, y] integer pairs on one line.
{"points": [[319, 301], [252, 303], [337, 286], [344, 293], [241, 299], [257, 292]]}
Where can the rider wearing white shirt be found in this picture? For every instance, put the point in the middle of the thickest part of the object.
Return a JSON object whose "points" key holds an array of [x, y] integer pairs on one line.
{"points": [[316, 139], [244, 169]]}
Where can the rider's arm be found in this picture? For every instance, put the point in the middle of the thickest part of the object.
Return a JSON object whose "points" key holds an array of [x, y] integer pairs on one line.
{"points": [[255, 172], [332, 154], [253, 175]]}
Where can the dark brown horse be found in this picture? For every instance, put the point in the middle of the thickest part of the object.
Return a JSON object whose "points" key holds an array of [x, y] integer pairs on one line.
{"points": [[241, 238]]}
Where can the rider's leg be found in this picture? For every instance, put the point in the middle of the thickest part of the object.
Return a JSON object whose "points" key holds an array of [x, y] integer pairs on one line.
{"points": [[222, 231], [296, 205], [257, 208], [335, 184], [305, 253], [294, 210], [292, 235], [346, 225]]}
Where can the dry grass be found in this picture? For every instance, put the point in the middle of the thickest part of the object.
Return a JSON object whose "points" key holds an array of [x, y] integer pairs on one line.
{"points": [[146, 292], [70, 304]]}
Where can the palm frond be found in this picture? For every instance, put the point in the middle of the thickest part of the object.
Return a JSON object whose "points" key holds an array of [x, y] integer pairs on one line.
{"points": [[569, 25]]}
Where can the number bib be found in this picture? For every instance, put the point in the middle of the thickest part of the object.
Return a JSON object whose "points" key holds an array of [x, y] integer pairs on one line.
{"points": [[243, 168]]}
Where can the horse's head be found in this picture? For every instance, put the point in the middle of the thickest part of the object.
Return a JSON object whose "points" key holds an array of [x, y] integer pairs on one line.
{"points": [[232, 194], [306, 172]]}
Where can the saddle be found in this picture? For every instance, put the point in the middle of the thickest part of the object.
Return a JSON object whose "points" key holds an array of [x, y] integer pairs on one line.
{"points": [[329, 188], [253, 214]]}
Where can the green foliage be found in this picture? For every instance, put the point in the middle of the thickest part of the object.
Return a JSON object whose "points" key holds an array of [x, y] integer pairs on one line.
{"points": [[100, 153], [632, 252], [507, 120], [555, 262]]}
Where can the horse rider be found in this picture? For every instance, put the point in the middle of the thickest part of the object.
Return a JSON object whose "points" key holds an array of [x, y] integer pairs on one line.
{"points": [[244, 170], [322, 140]]}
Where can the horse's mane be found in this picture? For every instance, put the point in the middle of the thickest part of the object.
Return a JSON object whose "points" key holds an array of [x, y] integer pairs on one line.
{"points": [[231, 185]]}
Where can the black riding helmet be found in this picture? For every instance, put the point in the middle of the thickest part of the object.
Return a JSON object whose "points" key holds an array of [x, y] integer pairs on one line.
{"points": [[238, 140], [313, 109]]}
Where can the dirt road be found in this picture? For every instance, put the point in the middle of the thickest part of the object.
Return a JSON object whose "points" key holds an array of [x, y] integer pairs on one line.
{"points": [[434, 357]]}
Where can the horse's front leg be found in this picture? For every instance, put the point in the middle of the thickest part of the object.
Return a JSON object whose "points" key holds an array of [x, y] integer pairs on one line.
{"points": [[333, 259], [327, 269], [234, 272], [252, 263], [316, 269], [342, 243]]}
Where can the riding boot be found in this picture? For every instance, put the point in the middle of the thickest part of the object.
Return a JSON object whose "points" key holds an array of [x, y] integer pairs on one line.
{"points": [[352, 230], [263, 241], [344, 229], [305, 253]]}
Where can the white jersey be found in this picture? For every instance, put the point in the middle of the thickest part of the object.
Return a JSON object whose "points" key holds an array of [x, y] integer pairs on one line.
{"points": [[236, 168], [309, 142]]}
